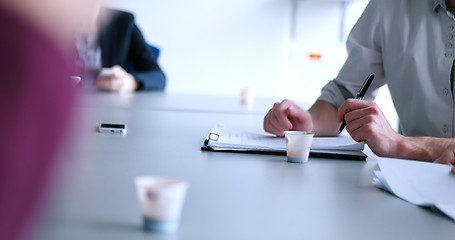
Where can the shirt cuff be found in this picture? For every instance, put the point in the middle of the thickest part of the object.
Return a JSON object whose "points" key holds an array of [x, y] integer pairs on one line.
{"points": [[333, 94]]}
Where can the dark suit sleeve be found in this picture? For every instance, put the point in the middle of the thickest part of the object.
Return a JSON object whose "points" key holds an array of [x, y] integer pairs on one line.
{"points": [[146, 69]]}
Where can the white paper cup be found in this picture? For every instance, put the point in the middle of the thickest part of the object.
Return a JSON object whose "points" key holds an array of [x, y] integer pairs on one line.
{"points": [[75, 80], [298, 145], [161, 202], [106, 72], [247, 96]]}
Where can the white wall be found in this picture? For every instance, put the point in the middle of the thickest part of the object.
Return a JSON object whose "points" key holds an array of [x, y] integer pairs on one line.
{"points": [[222, 45], [216, 46]]}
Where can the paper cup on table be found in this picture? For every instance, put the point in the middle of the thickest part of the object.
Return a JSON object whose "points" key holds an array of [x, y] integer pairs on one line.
{"points": [[161, 202], [75, 80], [298, 145], [106, 72], [247, 96]]}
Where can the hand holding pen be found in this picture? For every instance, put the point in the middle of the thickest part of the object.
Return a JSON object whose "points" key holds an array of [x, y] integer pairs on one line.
{"points": [[360, 95], [365, 122]]}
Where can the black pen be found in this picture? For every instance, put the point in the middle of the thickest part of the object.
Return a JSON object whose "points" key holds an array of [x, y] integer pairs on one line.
{"points": [[360, 95]]}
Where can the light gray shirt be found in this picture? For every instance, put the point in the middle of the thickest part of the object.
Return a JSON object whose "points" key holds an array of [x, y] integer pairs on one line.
{"points": [[409, 45]]}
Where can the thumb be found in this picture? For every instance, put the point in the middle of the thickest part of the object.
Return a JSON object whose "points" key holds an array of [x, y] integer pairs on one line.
{"points": [[293, 111], [296, 115], [448, 157]]}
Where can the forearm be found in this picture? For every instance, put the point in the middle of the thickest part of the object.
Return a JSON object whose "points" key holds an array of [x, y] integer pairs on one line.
{"points": [[324, 117], [422, 148]]}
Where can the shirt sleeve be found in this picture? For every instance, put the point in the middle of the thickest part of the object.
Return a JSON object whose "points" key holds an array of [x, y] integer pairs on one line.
{"points": [[147, 71], [364, 46]]}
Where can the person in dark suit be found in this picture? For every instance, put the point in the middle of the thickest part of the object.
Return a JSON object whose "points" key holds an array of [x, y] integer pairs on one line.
{"points": [[112, 41]]}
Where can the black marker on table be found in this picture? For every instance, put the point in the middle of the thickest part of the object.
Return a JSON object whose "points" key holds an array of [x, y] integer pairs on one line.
{"points": [[360, 95]]}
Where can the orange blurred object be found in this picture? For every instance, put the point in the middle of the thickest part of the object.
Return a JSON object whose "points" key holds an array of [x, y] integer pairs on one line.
{"points": [[315, 56]]}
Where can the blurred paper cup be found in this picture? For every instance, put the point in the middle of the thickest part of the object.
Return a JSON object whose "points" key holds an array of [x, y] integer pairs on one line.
{"points": [[247, 96], [298, 145], [106, 72], [76, 80], [161, 201]]}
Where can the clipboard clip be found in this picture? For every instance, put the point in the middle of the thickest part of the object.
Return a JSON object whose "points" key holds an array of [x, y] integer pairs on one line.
{"points": [[212, 137]]}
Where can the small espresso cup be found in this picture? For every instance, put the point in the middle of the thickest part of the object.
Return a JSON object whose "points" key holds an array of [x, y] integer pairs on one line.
{"points": [[161, 201], [298, 145]]}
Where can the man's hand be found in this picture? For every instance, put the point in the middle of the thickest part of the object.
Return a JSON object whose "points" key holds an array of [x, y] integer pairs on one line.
{"points": [[448, 157], [120, 81], [286, 116], [366, 122]]}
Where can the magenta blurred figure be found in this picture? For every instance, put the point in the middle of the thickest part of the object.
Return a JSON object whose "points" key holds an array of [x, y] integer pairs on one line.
{"points": [[36, 101]]}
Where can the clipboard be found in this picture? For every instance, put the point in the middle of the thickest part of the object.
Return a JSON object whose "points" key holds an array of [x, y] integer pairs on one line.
{"points": [[211, 143]]}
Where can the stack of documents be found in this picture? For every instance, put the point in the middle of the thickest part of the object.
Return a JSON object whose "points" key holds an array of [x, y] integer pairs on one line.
{"points": [[224, 139], [420, 183]]}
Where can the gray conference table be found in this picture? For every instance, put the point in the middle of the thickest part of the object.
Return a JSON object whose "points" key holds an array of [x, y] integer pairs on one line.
{"points": [[231, 196], [188, 102]]}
